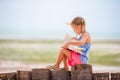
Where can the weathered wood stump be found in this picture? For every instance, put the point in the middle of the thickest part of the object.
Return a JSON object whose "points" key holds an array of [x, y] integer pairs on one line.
{"points": [[81, 72], [41, 74], [100, 76], [24, 75], [8, 76], [115, 76], [60, 75]]}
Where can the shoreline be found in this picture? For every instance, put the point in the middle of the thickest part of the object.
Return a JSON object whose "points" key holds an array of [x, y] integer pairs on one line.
{"points": [[13, 66]]}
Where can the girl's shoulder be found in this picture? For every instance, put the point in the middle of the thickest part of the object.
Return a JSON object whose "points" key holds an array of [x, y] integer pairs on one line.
{"points": [[86, 34]]}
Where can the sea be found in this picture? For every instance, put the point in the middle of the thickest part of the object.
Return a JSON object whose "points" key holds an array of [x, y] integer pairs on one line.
{"points": [[57, 36]]}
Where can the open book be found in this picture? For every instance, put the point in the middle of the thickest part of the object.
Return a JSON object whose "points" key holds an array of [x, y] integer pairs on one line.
{"points": [[76, 49], [72, 47]]}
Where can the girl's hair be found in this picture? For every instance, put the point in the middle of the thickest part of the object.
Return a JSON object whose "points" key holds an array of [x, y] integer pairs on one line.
{"points": [[79, 21]]}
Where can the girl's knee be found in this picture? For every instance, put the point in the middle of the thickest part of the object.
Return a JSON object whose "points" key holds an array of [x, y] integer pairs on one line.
{"points": [[65, 52], [62, 50]]}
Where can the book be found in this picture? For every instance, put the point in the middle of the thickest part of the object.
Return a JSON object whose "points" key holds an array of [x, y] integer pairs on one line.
{"points": [[77, 49]]}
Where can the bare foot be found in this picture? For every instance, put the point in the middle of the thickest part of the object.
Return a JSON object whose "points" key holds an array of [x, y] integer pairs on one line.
{"points": [[50, 67]]}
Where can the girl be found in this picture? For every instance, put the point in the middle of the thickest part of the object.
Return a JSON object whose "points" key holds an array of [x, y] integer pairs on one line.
{"points": [[83, 41]]}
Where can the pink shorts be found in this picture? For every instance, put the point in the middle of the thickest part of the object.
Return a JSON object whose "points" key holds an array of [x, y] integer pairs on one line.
{"points": [[75, 59]]}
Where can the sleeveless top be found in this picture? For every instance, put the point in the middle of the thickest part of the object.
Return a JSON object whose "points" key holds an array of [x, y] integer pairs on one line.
{"points": [[86, 46]]}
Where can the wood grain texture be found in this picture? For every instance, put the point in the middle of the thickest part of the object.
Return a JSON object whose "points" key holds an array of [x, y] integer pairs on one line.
{"points": [[81, 72], [41, 74]]}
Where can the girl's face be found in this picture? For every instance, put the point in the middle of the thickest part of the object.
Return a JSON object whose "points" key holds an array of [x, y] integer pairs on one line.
{"points": [[76, 28]]}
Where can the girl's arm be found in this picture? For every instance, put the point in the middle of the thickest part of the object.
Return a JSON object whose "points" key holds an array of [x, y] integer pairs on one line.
{"points": [[81, 42], [74, 38], [78, 43]]}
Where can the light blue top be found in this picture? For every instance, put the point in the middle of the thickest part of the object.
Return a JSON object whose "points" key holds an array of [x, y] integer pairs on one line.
{"points": [[86, 46]]}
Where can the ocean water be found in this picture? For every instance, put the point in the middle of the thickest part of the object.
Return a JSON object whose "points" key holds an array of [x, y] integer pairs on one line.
{"points": [[94, 36], [106, 36]]}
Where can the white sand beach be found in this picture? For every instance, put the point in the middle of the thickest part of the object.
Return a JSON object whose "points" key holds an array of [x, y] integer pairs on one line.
{"points": [[12, 66]]}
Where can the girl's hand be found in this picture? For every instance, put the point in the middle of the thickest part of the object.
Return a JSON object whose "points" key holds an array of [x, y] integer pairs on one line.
{"points": [[74, 38]]}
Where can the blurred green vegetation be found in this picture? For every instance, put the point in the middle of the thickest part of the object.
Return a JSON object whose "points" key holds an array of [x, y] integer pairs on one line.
{"points": [[99, 55], [109, 59], [42, 41]]}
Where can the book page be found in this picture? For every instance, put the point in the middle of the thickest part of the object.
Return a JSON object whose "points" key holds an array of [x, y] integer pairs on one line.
{"points": [[67, 38], [77, 49]]}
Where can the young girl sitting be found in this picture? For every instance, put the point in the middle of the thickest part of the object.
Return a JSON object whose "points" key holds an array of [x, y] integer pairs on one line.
{"points": [[83, 41]]}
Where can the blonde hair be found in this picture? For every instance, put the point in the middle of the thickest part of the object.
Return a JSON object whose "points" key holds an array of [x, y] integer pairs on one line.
{"points": [[79, 21]]}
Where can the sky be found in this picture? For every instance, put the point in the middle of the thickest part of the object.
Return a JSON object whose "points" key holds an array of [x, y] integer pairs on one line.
{"points": [[48, 18]]}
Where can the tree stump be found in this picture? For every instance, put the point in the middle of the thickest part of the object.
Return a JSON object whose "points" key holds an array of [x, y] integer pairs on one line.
{"points": [[115, 76], [24, 75], [41, 74], [81, 72], [8, 76], [60, 75], [100, 76]]}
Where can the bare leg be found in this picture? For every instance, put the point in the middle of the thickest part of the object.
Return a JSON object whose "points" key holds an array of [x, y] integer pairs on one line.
{"points": [[64, 54], [65, 63]]}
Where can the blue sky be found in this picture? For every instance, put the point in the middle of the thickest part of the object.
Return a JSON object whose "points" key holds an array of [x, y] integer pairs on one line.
{"points": [[47, 18]]}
